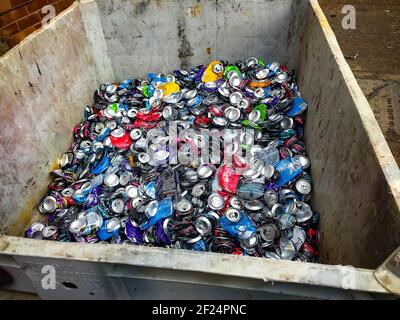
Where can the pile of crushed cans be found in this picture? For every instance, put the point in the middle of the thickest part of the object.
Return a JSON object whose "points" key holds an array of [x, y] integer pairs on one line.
{"points": [[206, 160]]}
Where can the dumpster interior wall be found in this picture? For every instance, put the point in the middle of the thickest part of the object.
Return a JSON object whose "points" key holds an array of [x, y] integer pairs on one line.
{"points": [[46, 82], [148, 36], [359, 214], [44, 85]]}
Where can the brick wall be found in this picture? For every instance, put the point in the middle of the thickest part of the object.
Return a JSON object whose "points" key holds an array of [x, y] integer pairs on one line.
{"points": [[19, 18]]}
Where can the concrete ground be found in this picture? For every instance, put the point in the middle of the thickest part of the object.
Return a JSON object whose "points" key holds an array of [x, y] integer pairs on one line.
{"points": [[376, 44]]}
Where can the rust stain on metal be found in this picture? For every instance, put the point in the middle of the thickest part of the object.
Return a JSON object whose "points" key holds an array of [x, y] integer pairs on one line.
{"points": [[185, 50], [236, 6], [55, 165], [388, 282], [25, 218], [396, 260], [195, 11], [3, 244], [141, 7]]}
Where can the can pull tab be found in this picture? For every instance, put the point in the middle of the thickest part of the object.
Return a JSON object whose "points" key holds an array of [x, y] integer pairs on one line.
{"points": [[388, 274]]}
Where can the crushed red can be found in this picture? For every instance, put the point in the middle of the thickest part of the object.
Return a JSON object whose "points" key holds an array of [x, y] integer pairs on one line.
{"points": [[121, 139]]}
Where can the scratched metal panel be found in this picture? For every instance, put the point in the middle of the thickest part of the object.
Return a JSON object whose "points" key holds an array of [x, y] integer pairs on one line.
{"points": [[156, 289], [73, 280], [356, 179], [384, 98], [44, 84], [145, 36]]}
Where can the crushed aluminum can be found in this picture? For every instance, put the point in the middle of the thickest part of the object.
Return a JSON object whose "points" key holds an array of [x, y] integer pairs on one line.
{"points": [[118, 206], [287, 249], [216, 202], [303, 212], [249, 244], [236, 203], [271, 198], [151, 209], [52, 203], [77, 226], [233, 215], [199, 190], [254, 206], [203, 226], [232, 114], [35, 230], [184, 207], [268, 233], [303, 186]]}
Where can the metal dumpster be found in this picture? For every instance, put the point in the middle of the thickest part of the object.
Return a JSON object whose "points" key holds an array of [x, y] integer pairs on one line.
{"points": [[48, 78]]}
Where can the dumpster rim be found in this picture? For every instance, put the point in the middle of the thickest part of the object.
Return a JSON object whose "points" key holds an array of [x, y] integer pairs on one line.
{"points": [[204, 262]]}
